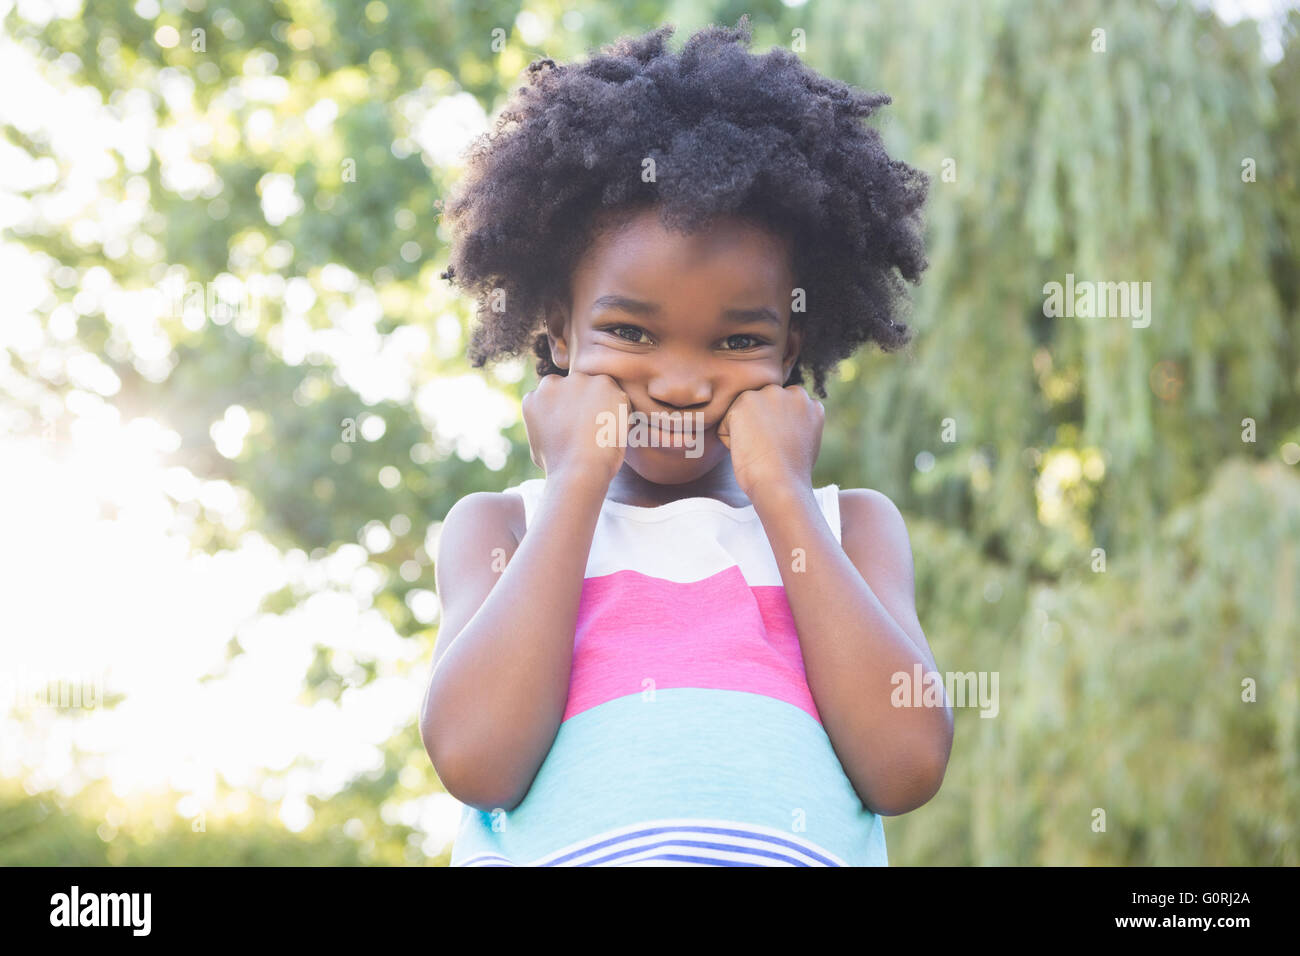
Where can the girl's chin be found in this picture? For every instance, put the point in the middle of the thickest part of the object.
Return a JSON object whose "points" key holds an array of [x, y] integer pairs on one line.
{"points": [[669, 466]]}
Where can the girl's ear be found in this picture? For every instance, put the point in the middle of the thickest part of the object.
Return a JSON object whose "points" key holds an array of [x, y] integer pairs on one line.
{"points": [[793, 344], [557, 330]]}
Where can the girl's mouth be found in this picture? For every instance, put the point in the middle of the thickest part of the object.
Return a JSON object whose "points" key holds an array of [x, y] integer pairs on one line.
{"points": [[680, 432], [667, 430], [672, 438], [675, 434]]}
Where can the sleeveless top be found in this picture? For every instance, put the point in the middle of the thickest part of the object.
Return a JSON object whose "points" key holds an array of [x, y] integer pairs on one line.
{"points": [[690, 736]]}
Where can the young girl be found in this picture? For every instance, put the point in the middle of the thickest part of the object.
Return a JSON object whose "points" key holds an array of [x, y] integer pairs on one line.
{"points": [[672, 649]]}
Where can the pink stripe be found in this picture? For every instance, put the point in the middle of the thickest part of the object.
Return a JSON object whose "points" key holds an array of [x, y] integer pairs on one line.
{"points": [[717, 632]]}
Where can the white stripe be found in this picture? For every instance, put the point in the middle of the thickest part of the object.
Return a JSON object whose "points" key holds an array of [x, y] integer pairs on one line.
{"points": [[762, 838], [651, 861], [701, 544], [654, 855], [738, 847]]}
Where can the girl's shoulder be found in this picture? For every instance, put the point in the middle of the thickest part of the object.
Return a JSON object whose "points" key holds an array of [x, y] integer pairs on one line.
{"points": [[872, 524], [859, 498], [861, 509], [490, 509]]}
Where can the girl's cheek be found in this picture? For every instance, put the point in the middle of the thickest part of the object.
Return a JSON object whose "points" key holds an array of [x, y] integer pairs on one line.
{"points": [[596, 363]]}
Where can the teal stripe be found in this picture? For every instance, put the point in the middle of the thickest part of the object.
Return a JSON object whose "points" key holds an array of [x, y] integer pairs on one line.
{"points": [[687, 753]]}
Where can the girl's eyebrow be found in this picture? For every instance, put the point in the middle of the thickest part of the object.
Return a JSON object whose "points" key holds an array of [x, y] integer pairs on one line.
{"points": [[637, 307], [624, 304]]}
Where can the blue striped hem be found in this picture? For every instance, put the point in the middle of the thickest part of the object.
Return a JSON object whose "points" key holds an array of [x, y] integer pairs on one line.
{"points": [[729, 844]]}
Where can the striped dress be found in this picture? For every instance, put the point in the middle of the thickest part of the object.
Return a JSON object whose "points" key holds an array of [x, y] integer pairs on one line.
{"points": [[690, 736]]}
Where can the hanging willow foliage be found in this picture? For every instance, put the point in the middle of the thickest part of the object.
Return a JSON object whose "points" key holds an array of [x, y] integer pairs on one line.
{"points": [[1099, 525]]}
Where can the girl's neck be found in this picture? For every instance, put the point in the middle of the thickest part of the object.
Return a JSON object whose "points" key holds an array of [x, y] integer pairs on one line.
{"points": [[628, 487]]}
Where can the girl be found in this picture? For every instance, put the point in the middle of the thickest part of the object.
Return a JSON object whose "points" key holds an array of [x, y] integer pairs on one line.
{"points": [[672, 649]]}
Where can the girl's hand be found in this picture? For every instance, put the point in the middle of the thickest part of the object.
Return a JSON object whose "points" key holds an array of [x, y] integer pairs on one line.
{"points": [[774, 435], [563, 420]]}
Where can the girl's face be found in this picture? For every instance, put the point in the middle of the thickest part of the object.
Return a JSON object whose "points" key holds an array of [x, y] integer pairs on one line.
{"points": [[682, 324]]}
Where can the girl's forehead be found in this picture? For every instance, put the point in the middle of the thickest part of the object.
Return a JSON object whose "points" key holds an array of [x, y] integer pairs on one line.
{"points": [[640, 245]]}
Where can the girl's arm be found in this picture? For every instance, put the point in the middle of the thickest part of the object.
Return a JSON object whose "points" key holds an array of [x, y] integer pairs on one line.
{"points": [[853, 608], [501, 667]]}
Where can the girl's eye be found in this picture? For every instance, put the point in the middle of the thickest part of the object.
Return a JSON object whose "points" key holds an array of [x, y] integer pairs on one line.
{"points": [[635, 336]]}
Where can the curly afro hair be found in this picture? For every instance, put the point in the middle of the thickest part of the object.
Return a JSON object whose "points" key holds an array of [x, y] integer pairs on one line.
{"points": [[731, 133]]}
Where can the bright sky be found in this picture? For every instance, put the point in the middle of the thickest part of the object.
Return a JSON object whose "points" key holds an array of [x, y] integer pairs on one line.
{"points": [[96, 568], [1271, 14]]}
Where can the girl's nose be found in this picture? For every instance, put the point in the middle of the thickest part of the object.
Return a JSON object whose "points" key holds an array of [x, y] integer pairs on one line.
{"points": [[680, 392]]}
